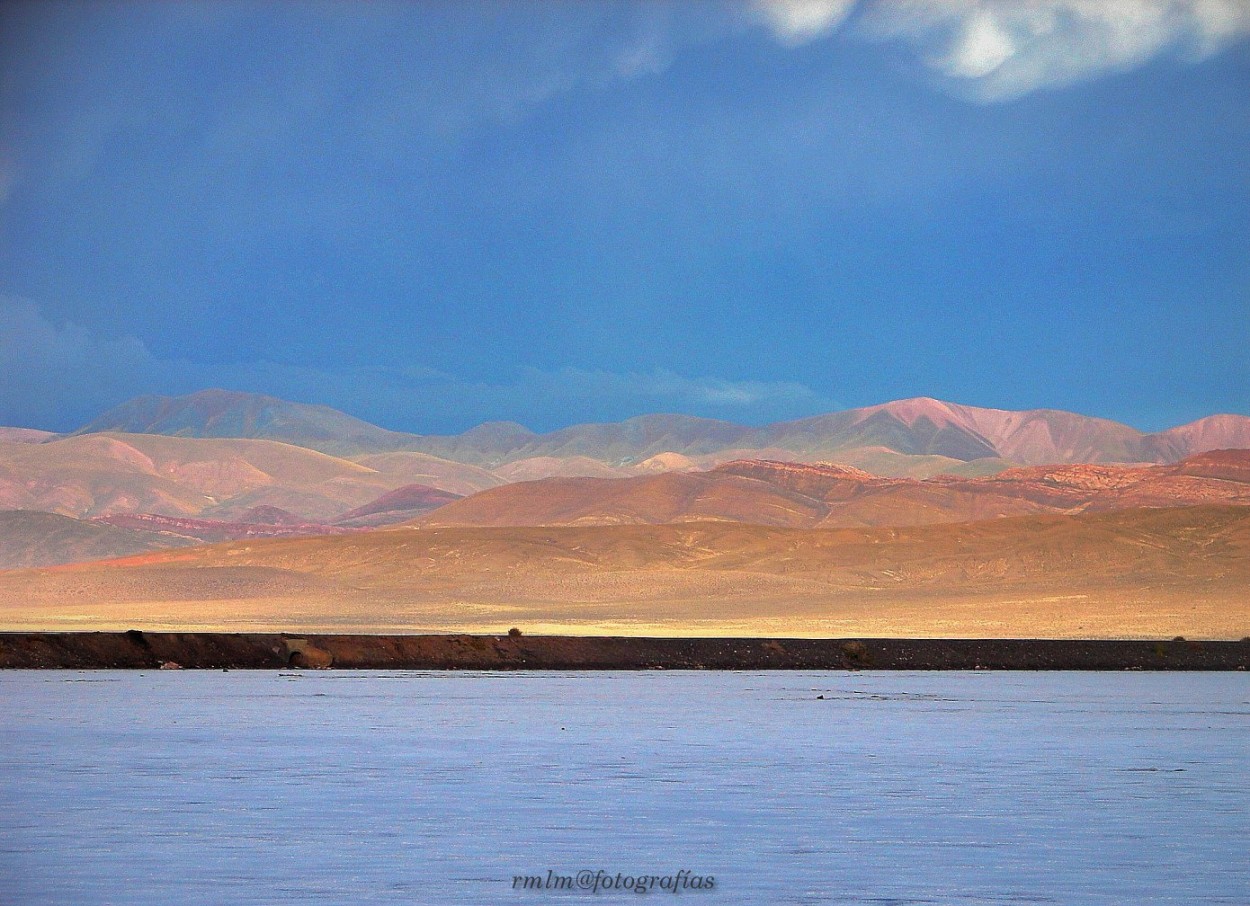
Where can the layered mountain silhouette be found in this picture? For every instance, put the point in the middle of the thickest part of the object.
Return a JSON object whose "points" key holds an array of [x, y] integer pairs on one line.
{"points": [[225, 413], [225, 479], [906, 437], [801, 495], [220, 466]]}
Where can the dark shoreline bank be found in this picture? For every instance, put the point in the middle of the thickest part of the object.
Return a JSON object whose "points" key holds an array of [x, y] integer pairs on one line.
{"points": [[136, 650]]}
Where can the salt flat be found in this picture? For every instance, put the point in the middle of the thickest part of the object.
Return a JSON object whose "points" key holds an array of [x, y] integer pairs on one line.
{"points": [[439, 788]]}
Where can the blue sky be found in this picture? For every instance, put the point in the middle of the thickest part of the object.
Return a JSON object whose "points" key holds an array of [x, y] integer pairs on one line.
{"points": [[436, 214]]}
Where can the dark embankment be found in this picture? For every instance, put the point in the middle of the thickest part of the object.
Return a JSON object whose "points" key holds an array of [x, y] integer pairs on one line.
{"points": [[151, 650]]}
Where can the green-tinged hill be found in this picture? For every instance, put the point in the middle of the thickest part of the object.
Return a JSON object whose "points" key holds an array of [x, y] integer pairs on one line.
{"points": [[46, 539], [231, 414]]}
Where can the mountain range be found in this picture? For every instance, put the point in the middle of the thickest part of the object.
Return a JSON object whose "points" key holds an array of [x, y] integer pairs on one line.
{"points": [[220, 466], [802, 495], [915, 437], [216, 478]]}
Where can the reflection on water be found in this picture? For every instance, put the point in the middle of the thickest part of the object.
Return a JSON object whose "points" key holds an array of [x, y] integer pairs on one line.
{"points": [[439, 788]]}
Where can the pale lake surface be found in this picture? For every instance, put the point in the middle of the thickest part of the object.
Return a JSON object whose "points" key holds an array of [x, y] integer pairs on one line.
{"points": [[438, 788]]}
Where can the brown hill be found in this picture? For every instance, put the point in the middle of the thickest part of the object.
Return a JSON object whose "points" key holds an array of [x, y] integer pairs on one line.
{"points": [[34, 539], [924, 426], [104, 474], [399, 505], [399, 469], [1140, 573], [898, 436], [24, 436], [232, 414], [30, 538], [1029, 436], [797, 494], [1215, 432], [821, 481], [1227, 465], [209, 531], [667, 462], [648, 500], [536, 468], [270, 515]]}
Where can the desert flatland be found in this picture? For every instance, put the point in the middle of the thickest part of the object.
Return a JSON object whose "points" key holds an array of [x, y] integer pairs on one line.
{"points": [[915, 518], [1141, 573]]}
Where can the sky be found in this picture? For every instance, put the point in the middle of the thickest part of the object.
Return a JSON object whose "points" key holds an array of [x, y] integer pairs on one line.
{"points": [[432, 215]]}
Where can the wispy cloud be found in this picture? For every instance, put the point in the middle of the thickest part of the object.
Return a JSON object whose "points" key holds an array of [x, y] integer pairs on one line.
{"points": [[662, 387], [799, 21], [995, 50], [60, 375], [52, 369], [417, 106]]}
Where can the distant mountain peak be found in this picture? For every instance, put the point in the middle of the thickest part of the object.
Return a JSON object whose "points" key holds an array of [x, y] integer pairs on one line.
{"points": [[231, 413], [914, 408], [499, 431], [918, 429]]}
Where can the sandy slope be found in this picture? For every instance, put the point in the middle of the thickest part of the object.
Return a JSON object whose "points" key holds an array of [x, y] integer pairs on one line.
{"points": [[1143, 573], [825, 495], [29, 538], [105, 474]]}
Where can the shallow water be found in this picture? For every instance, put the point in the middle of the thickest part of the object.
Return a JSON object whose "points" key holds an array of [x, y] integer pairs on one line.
{"points": [[439, 788]]}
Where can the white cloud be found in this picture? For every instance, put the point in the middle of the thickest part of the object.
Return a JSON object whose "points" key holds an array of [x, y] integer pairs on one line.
{"points": [[800, 21], [995, 50], [982, 48], [664, 387]]}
